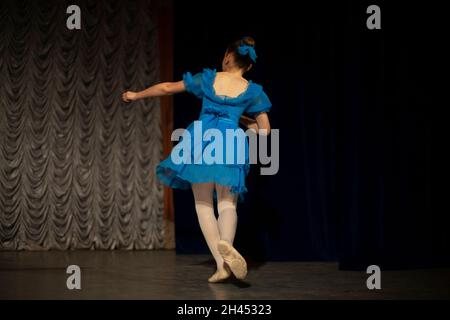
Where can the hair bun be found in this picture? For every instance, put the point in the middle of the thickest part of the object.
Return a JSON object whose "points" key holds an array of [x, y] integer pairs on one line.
{"points": [[243, 50], [248, 41]]}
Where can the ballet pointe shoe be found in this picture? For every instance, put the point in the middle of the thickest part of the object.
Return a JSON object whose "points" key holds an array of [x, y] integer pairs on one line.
{"points": [[220, 275], [233, 258]]}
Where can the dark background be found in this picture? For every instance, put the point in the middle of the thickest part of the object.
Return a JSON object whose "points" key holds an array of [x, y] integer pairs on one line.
{"points": [[353, 107]]}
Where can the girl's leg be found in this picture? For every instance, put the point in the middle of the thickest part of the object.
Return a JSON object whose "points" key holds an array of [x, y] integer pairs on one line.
{"points": [[226, 206], [204, 205]]}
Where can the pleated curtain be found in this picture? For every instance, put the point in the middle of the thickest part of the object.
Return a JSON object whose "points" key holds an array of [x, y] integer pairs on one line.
{"points": [[77, 164]]}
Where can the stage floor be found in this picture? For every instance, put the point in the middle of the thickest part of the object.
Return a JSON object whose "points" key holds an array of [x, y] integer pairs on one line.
{"points": [[164, 275]]}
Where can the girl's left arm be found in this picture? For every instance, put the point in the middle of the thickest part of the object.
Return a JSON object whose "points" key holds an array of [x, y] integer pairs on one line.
{"points": [[157, 90], [260, 124]]}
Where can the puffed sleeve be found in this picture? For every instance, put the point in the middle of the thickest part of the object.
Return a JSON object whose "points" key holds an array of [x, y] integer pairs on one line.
{"points": [[259, 104], [193, 83]]}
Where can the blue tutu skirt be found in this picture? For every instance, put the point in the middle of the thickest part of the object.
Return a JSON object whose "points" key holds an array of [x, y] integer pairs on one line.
{"points": [[182, 175]]}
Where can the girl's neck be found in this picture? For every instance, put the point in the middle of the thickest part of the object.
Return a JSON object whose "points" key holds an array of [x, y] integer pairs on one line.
{"points": [[235, 71]]}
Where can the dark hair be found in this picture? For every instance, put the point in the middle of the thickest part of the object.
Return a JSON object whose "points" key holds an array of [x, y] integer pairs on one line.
{"points": [[241, 61]]}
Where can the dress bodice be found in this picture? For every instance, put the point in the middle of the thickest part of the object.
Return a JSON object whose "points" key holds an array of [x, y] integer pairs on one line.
{"points": [[222, 108]]}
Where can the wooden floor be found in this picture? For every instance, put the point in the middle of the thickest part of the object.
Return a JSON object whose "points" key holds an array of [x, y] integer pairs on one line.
{"points": [[165, 275]]}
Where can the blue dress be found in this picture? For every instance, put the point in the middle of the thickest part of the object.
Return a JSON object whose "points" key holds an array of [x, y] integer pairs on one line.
{"points": [[218, 114]]}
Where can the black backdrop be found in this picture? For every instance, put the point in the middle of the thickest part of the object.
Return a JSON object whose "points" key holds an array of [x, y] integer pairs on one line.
{"points": [[353, 109]]}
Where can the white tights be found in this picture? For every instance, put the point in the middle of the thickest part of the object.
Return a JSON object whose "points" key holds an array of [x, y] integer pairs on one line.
{"points": [[223, 228]]}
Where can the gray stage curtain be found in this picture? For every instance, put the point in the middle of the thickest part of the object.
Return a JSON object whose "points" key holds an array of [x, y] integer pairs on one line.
{"points": [[77, 165]]}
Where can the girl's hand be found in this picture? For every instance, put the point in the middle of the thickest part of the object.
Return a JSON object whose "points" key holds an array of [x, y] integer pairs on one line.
{"points": [[129, 96]]}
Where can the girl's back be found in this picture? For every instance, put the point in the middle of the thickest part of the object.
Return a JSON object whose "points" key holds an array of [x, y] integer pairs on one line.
{"points": [[227, 84]]}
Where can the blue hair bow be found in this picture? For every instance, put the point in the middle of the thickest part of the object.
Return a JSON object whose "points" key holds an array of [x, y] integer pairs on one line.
{"points": [[246, 49]]}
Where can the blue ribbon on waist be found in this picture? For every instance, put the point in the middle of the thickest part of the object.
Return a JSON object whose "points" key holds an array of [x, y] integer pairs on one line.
{"points": [[217, 114]]}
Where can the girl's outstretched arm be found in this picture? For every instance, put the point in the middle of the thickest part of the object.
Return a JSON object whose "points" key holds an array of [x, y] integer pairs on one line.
{"points": [[160, 89]]}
